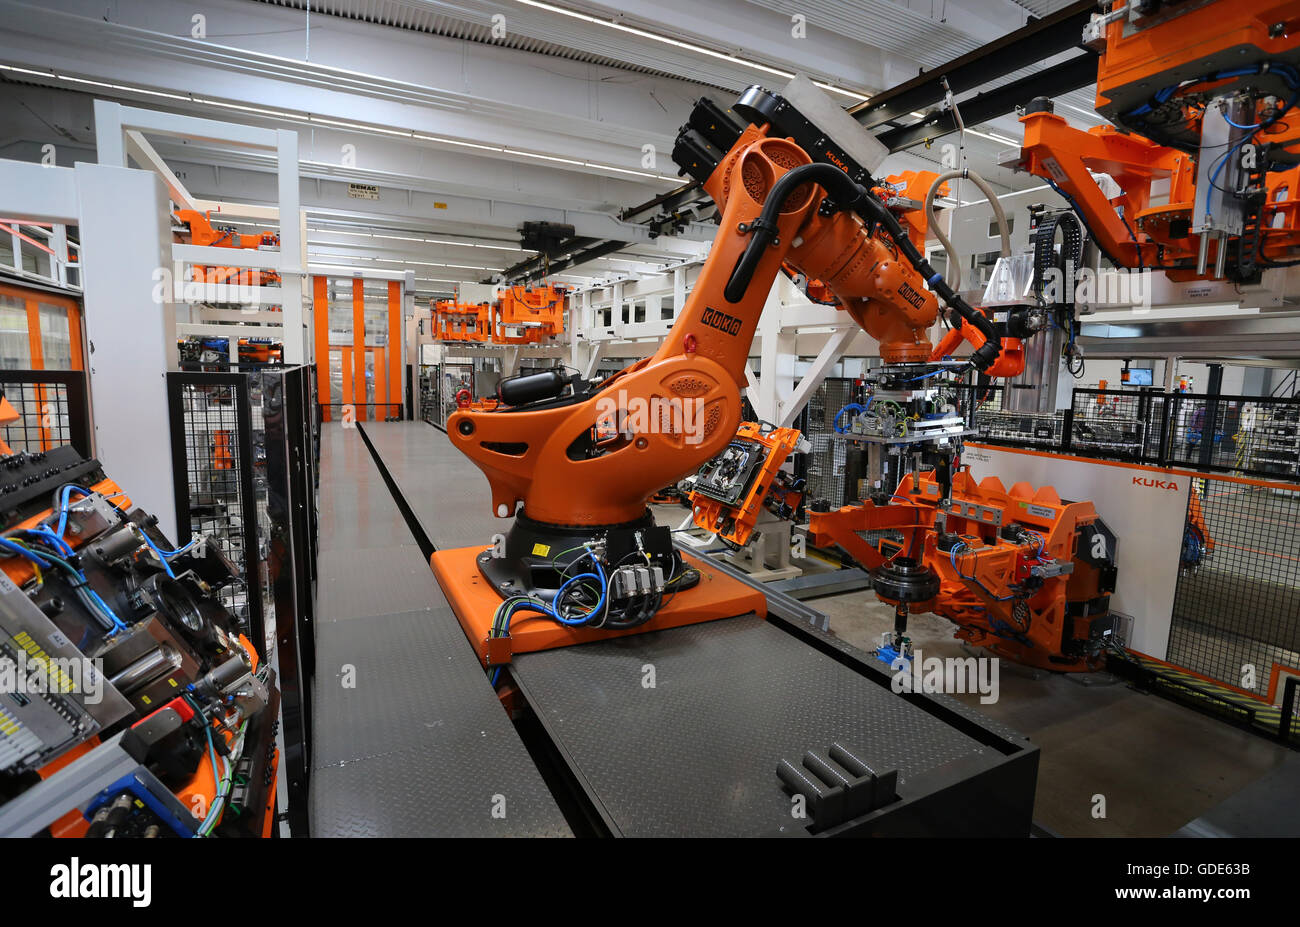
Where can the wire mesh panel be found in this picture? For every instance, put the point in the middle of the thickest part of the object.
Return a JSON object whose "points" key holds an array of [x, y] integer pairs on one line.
{"points": [[452, 379], [1254, 435], [244, 453], [996, 425], [51, 407], [1236, 614], [1205, 431], [1269, 438], [428, 401], [828, 458], [213, 452], [1119, 424]]}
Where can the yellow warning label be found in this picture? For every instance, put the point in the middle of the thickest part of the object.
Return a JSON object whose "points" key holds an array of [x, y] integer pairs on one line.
{"points": [[541, 550]]}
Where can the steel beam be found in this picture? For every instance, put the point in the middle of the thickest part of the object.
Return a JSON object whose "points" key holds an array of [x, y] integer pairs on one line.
{"points": [[1037, 41], [1068, 75]]}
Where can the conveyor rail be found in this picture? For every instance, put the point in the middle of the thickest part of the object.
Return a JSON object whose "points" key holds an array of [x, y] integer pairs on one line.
{"points": [[408, 736]]}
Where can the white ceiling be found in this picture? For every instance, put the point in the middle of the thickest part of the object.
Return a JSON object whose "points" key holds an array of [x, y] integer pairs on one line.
{"points": [[547, 120]]}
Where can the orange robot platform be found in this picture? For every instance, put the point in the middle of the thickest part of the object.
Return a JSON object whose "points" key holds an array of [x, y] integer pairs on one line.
{"points": [[475, 601]]}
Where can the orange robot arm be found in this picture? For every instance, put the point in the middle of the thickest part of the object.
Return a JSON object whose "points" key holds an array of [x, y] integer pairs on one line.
{"points": [[1159, 77], [776, 207], [1010, 362], [1065, 156]]}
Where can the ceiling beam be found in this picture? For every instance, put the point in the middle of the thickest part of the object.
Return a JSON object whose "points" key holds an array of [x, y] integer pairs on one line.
{"points": [[1030, 45]]}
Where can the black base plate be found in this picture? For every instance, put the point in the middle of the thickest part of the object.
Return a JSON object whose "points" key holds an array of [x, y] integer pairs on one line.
{"points": [[536, 555]]}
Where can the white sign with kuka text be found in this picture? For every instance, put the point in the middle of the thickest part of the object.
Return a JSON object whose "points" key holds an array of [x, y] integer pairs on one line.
{"points": [[1145, 508]]}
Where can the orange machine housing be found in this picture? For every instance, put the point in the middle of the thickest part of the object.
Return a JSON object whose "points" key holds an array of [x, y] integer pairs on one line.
{"points": [[525, 453], [453, 321], [981, 581], [202, 232], [537, 313], [258, 351], [8, 415], [201, 789], [1192, 41], [1010, 362], [519, 316], [908, 188], [901, 192], [736, 523], [1198, 36], [475, 602]]}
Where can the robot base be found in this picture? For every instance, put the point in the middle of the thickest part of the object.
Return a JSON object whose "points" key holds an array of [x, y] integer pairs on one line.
{"points": [[475, 601]]}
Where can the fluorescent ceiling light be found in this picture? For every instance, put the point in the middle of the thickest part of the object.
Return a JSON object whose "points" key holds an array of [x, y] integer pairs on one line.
{"points": [[431, 241], [688, 46], [312, 119], [1000, 139]]}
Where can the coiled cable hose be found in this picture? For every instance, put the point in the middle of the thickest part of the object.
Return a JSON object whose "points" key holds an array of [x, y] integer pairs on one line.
{"points": [[954, 260]]}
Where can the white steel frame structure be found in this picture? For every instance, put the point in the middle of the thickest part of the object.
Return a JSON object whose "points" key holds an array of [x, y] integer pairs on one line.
{"points": [[131, 336], [64, 255], [120, 135], [791, 327]]}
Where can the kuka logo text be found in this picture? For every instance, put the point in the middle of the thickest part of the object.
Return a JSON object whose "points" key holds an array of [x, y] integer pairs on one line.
{"points": [[909, 294], [727, 324], [1154, 483]]}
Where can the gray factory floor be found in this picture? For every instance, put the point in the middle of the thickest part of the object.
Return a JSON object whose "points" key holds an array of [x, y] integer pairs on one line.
{"points": [[1159, 765]]}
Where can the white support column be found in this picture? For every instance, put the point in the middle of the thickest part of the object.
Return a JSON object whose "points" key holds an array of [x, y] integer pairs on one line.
{"points": [[596, 354], [59, 245], [777, 360], [110, 142], [616, 315], [584, 352], [751, 387], [292, 264], [131, 334], [410, 348], [831, 352], [510, 361], [1171, 372]]}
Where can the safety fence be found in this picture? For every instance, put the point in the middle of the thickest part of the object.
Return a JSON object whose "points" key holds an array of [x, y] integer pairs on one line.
{"points": [[439, 385], [827, 463], [1236, 612], [427, 394], [245, 455], [1234, 644], [1246, 435], [53, 409]]}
